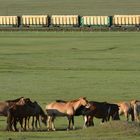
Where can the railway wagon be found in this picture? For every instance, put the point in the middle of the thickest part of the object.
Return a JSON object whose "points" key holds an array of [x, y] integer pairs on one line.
{"points": [[98, 21], [65, 20], [126, 20], [35, 20], [9, 21]]}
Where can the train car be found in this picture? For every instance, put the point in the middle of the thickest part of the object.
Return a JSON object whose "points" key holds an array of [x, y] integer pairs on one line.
{"points": [[35, 21], [98, 21], [65, 20], [126, 20], [9, 21]]}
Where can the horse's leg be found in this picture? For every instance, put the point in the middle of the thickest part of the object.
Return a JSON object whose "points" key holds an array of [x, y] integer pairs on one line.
{"points": [[73, 127], [25, 123], [9, 122], [49, 123], [28, 120], [15, 124], [38, 119], [127, 116], [132, 115], [90, 121], [36, 122], [85, 121], [70, 119], [52, 121], [32, 122], [21, 122], [103, 120]]}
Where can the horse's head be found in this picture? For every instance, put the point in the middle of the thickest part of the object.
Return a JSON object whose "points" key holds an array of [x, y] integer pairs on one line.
{"points": [[44, 119], [133, 102], [83, 101]]}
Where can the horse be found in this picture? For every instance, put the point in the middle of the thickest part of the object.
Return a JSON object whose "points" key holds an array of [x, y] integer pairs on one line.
{"points": [[38, 111], [126, 109], [101, 110], [136, 107], [20, 112], [4, 105], [66, 108]]}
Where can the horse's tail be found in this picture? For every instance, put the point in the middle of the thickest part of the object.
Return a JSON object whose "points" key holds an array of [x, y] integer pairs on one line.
{"points": [[108, 113]]}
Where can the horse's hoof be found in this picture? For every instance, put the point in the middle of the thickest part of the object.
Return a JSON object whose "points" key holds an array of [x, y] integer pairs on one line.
{"points": [[85, 126], [20, 130], [73, 128]]}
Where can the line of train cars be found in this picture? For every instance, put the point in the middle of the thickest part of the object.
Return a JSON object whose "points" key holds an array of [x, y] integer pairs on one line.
{"points": [[70, 21]]}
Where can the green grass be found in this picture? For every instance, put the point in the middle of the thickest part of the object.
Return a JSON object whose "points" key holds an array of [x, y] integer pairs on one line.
{"points": [[80, 7], [103, 66], [108, 131]]}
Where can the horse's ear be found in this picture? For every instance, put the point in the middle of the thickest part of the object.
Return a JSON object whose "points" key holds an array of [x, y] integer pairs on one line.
{"points": [[83, 98], [133, 101]]}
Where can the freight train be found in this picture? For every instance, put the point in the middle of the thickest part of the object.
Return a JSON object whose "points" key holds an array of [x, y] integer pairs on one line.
{"points": [[69, 21]]}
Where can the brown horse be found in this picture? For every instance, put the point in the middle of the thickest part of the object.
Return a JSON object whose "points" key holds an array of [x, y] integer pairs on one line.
{"points": [[101, 110], [64, 109], [19, 112], [126, 109], [4, 106]]}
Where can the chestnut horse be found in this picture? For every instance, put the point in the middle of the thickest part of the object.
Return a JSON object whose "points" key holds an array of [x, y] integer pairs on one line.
{"points": [[64, 109], [126, 109]]}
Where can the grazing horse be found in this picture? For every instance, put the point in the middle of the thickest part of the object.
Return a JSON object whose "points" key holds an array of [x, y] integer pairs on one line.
{"points": [[65, 108], [136, 106], [38, 111], [102, 110], [4, 106], [126, 109]]}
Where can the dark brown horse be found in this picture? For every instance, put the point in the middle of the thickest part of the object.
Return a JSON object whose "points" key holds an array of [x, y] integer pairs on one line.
{"points": [[19, 112], [64, 109], [101, 110], [38, 112]]}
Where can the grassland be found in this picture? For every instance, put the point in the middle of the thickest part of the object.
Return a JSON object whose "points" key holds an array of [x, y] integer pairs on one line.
{"points": [[80, 7], [45, 66], [48, 66]]}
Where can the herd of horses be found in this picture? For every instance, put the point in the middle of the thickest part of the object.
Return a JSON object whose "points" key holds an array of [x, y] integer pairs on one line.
{"points": [[21, 110]]}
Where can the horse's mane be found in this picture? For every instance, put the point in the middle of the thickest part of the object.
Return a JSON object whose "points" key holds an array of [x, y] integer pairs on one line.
{"points": [[74, 100], [15, 100], [41, 110], [77, 99], [61, 101]]}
